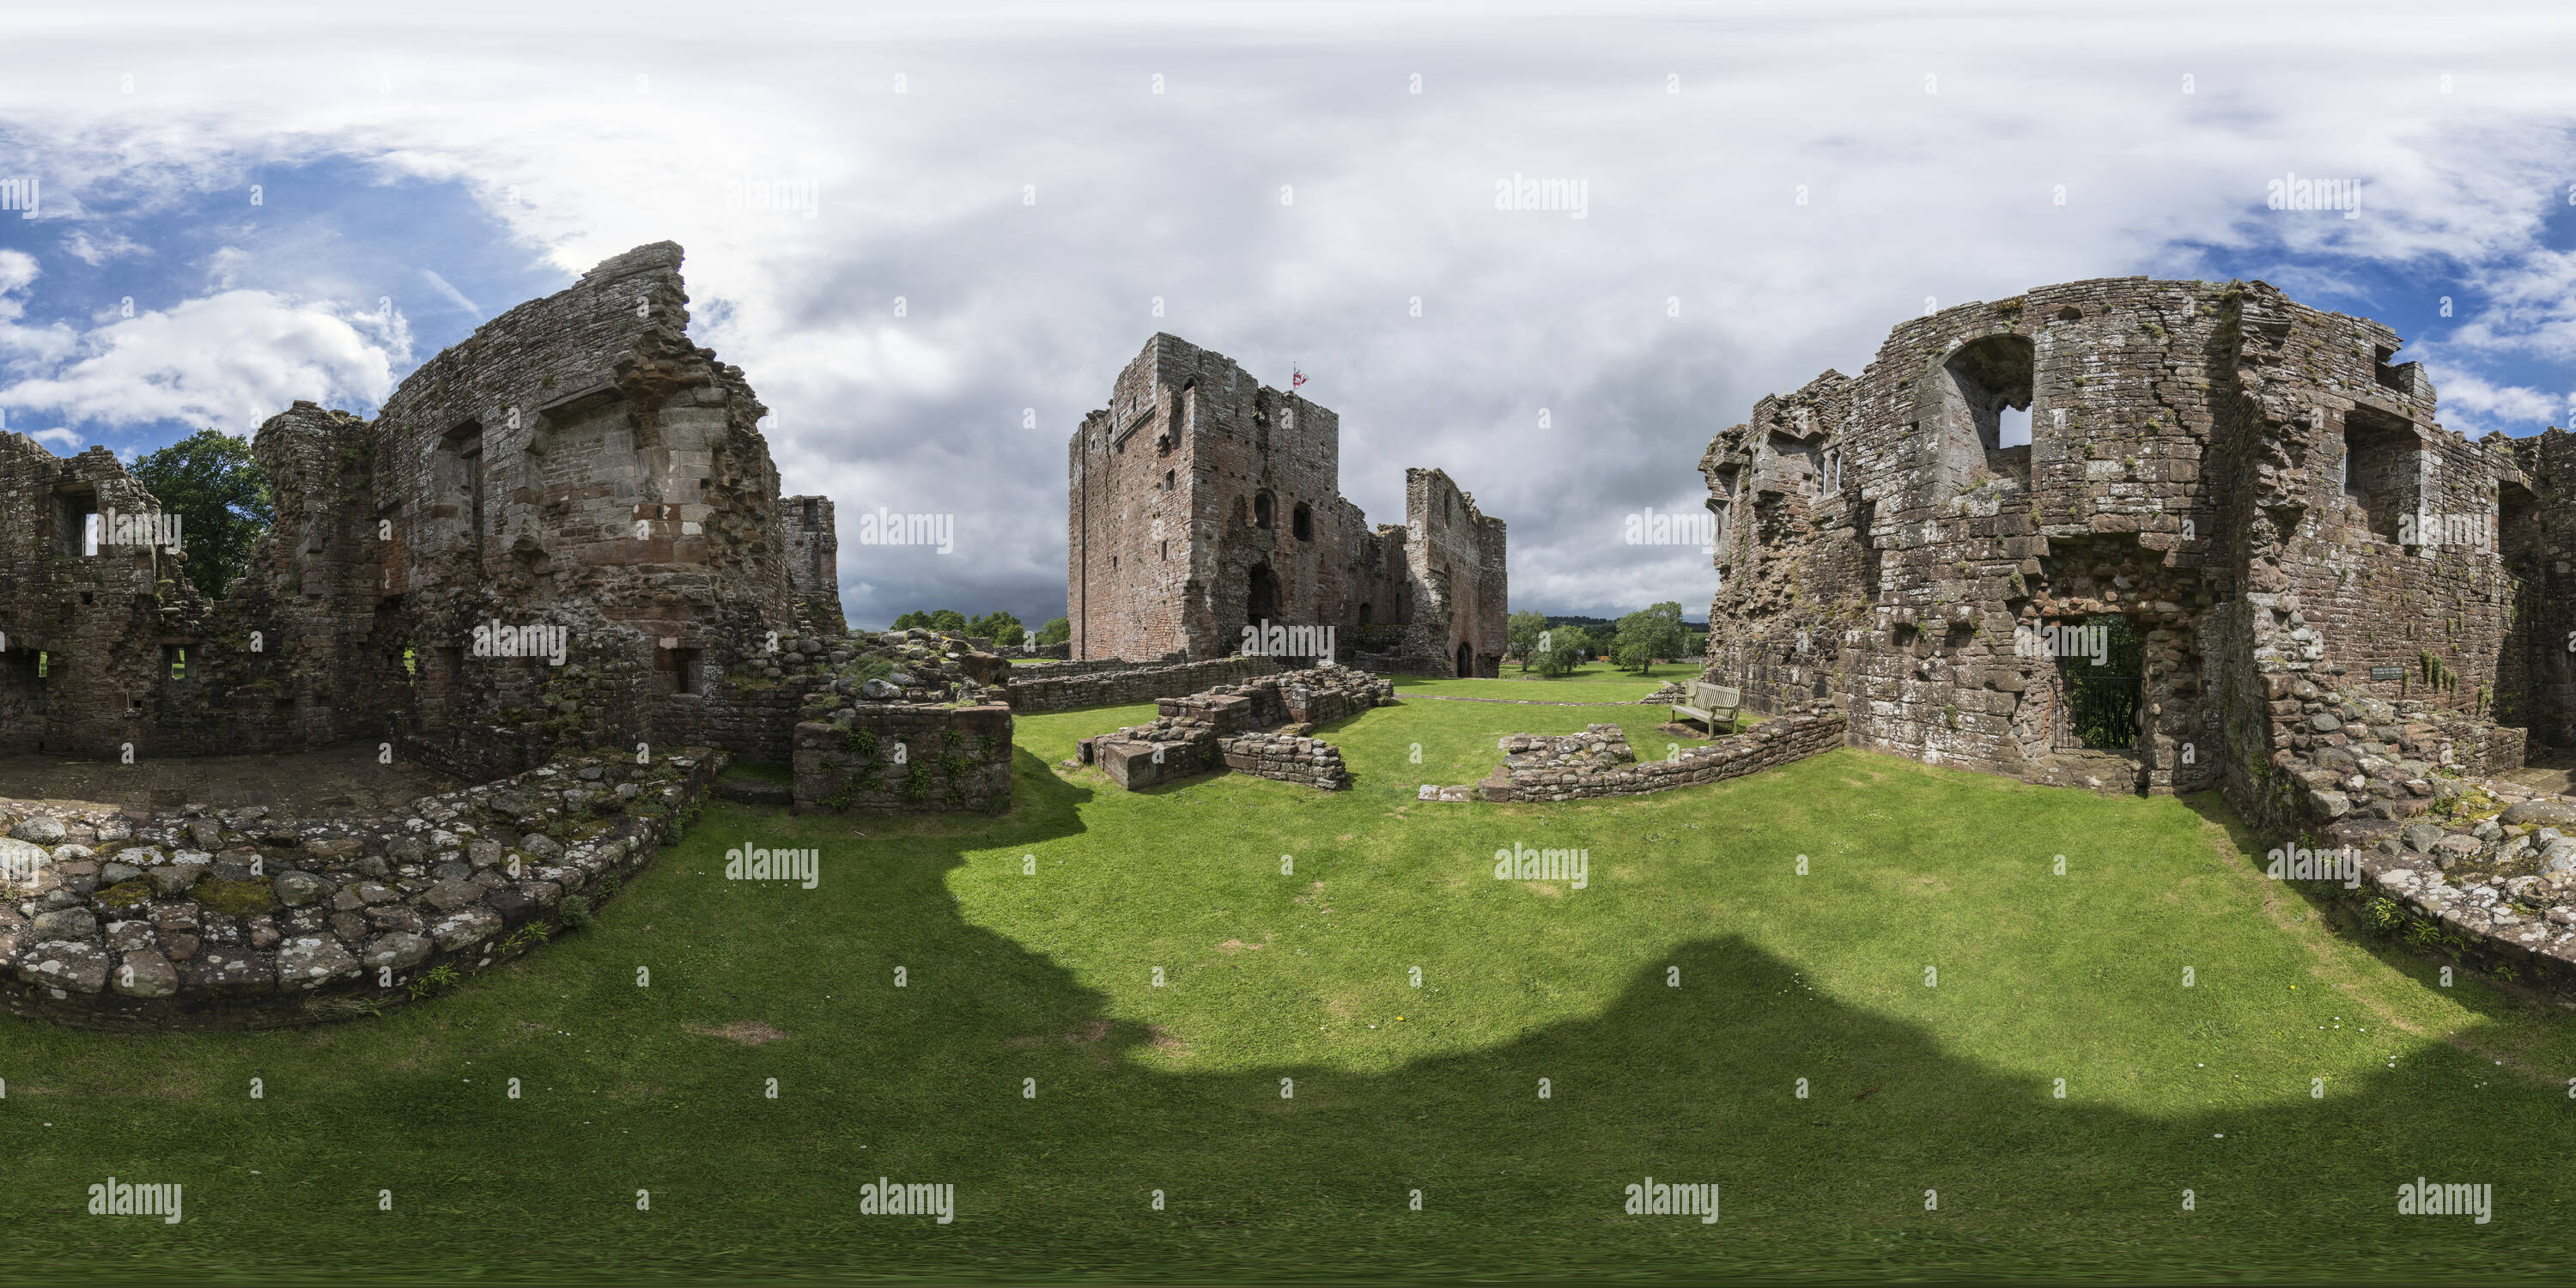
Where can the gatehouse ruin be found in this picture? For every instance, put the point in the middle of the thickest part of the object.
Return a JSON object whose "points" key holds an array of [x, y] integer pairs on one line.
{"points": [[1206, 519]]}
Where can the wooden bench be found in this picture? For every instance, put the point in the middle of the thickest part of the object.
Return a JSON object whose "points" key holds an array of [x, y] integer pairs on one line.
{"points": [[1712, 705]]}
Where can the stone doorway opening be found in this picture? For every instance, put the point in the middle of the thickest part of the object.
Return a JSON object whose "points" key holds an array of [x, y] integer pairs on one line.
{"points": [[2101, 677], [1260, 596], [1466, 659]]}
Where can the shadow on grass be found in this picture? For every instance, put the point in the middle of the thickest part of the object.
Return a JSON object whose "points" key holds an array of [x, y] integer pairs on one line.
{"points": [[995, 1068]]}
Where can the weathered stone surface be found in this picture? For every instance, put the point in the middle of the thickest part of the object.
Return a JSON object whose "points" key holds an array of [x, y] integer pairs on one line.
{"points": [[296, 889], [66, 965], [143, 973], [67, 923], [2554, 813], [309, 962], [399, 949], [1242, 483], [461, 929], [448, 896]]}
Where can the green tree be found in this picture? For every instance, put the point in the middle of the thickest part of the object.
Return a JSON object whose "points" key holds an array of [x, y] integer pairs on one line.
{"points": [[1000, 627], [1521, 631], [221, 496], [1058, 630], [1560, 649], [1649, 633], [947, 619], [912, 621]]}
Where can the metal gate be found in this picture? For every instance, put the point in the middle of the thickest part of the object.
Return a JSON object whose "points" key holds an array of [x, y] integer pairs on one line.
{"points": [[2098, 707]]}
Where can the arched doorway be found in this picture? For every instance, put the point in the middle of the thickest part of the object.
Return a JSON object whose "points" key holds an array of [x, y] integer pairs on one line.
{"points": [[1261, 597], [1466, 659]]}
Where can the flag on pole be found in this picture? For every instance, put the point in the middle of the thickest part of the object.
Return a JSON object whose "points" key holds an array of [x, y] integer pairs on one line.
{"points": [[1295, 377]]}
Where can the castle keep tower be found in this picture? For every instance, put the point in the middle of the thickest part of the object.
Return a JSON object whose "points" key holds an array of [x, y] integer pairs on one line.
{"points": [[1202, 501]]}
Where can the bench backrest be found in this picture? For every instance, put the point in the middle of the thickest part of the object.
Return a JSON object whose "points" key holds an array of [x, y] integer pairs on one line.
{"points": [[1716, 697]]}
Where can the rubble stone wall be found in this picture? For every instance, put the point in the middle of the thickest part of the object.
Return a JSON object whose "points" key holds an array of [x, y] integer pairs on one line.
{"points": [[903, 758], [244, 919], [1599, 762], [1132, 685]]}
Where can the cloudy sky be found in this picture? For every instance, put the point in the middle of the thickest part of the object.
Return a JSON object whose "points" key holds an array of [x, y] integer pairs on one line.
{"points": [[245, 204]]}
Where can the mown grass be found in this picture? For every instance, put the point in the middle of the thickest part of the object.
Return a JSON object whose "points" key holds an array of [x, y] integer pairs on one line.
{"points": [[1590, 682], [1306, 975]]}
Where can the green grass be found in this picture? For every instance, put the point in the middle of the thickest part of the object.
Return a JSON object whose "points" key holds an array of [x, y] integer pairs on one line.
{"points": [[1590, 682], [1307, 976]]}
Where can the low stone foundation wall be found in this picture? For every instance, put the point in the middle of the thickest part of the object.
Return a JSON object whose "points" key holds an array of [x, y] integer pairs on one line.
{"points": [[1143, 684], [2395, 801], [903, 758], [1289, 758], [244, 919], [477, 753], [1229, 726], [1598, 762]]}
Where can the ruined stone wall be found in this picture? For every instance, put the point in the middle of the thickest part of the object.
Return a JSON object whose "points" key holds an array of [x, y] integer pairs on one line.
{"points": [[1138, 684], [577, 463], [950, 759], [1549, 767], [1458, 588], [1201, 501], [2186, 473], [85, 627], [813, 563]]}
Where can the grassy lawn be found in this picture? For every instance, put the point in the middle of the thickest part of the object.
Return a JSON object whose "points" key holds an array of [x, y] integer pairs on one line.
{"points": [[1303, 980], [1590, 682]]}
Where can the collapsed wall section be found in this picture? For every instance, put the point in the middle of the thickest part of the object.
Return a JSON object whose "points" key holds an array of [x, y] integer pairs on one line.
{"points": [[2218, 486]]}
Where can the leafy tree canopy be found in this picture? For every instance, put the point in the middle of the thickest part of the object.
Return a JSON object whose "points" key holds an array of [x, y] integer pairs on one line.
{"points": [[221, 496]]}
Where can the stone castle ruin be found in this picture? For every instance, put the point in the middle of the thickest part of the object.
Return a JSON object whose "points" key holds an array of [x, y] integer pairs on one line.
{"points": [[2228, 504], [1203, 502], [555, 566], [577, 466]]}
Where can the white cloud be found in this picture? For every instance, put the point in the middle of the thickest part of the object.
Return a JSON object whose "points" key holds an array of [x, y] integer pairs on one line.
{"points": [[230, 360], [67, 441], [95, 251], [2459, 134]]}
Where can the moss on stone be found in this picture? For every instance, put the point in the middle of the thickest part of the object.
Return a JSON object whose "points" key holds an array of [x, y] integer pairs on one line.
{"points": [[241, 898]]}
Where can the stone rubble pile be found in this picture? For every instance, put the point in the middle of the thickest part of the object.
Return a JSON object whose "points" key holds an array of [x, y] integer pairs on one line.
{"points": [[2488, 862], [1599, 762], [1262, 726]]}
